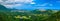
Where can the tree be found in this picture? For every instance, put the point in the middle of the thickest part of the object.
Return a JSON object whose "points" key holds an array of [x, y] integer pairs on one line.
{"points": [[55, 16], [2, 8]]}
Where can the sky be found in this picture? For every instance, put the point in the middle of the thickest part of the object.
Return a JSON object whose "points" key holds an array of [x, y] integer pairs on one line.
{"points": [[31, 4]]}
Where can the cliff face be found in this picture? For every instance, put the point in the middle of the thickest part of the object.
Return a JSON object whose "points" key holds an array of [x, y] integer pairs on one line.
{"points": [[2, 7]]}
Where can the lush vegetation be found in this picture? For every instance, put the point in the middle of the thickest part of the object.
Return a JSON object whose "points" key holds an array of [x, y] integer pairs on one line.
{"points": [[34, 15]]}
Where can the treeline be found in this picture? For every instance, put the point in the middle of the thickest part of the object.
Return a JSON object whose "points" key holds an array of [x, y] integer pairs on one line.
{"points": [[34, 15]]}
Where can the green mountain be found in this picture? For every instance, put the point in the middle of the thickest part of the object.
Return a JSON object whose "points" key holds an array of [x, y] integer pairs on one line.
{"points": [[2, 7]]}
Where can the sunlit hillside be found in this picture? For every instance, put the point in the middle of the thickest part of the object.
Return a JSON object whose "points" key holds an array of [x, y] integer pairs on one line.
{"points": [[32, 15]]}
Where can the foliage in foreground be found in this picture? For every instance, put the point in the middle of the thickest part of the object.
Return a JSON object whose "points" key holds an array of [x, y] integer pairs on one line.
{"points": [[35, 15]]}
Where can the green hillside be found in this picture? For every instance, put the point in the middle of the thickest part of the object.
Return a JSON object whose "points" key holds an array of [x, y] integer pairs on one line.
{"points": [[2, 7], [34, 15]]}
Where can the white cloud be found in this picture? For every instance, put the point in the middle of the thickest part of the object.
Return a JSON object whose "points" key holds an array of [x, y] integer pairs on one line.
{"points": [[18, 4], [24, 1], [9, 6], [19, 0], [32, 3], [44, 4], [1, 1], [12, 6], [11, 3]]}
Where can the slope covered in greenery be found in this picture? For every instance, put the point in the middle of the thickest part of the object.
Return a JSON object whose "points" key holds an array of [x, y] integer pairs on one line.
{"points": [[34, 15]]}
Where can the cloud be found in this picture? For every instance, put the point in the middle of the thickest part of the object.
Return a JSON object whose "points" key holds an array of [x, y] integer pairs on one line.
{"points": [[32, 3], [12, 6], [12, 3], [44, 5], [18, 4], [9, 6], [1, 1], [25, 1]]}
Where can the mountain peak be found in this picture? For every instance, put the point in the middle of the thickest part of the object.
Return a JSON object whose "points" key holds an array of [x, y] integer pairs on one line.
{"points": [[2, 7]]}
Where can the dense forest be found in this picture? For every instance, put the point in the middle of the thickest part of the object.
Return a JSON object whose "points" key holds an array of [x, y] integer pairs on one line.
{"points": [[34, 15]]}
